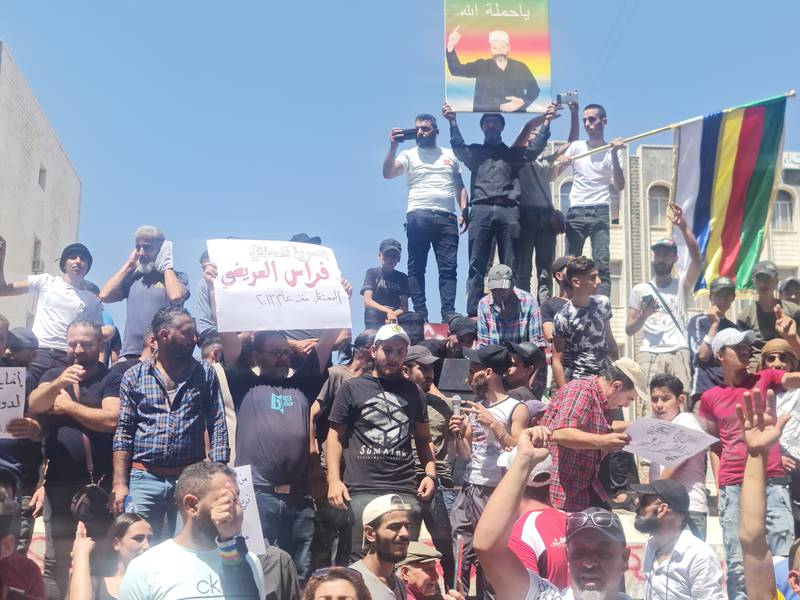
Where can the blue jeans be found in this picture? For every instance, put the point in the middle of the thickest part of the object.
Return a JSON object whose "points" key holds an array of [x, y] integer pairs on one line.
{"points": [[154, 498], [591, 222], [488, 223], [780, 531], [439, 230], [287, 521]]}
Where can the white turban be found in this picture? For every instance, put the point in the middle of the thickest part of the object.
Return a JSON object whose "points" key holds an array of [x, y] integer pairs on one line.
{"points": [[498, 36]]}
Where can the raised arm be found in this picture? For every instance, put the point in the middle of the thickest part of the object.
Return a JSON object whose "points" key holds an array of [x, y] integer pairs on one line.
{"points": [[14, 288], [695, 259], [216, 426], [574, 123], [112, 290], [391, 166], [617, 176], [457, 144]]}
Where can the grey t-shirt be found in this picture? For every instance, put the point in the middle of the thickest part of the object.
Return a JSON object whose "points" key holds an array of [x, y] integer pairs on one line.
{"points": [[377, 589]]}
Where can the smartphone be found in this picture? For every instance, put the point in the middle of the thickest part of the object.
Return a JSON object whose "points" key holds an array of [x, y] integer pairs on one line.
{"points": [[567, 97], [408, 134], [648, 299]]}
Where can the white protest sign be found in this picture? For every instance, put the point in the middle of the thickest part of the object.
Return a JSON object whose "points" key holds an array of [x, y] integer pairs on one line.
{"points": [[251, 527], [264, 285], [666, 443], [12, 396]]}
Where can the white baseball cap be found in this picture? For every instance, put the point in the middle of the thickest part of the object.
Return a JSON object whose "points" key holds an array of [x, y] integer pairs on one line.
{"points": [[506, 459], [387, 332], [378, 507]]}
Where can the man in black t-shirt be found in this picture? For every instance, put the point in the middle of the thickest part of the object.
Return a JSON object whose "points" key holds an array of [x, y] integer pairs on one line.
{"points": [[372, 421], [273, 435], [79, 408]]}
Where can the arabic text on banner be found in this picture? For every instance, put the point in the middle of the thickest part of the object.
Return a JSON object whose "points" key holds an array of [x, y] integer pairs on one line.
{"points": [[12, 396], [268, 285], [666, 443], [497, 56], [251, 526]]}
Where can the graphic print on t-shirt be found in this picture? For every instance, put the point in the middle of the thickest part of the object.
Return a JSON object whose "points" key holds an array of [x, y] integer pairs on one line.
{"points": [[390, 425]]}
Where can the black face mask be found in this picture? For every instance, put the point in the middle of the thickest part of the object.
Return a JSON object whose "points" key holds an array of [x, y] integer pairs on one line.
{"points": [[646, 524]]}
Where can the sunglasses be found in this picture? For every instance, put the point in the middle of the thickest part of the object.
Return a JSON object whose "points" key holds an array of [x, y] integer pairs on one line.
{"points": [[579, 519]]}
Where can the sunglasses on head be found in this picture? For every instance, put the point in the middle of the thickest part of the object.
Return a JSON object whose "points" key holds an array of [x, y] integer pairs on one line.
{"points": [[325, 571], [579, 519]]}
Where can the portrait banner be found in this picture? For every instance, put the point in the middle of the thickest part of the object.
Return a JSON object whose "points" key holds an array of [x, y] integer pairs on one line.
{"points": [[497, 56], [266, 285], [12, 396]]}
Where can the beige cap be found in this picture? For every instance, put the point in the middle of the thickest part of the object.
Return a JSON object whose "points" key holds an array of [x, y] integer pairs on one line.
{"points": [[419, 553], [634, 372]]}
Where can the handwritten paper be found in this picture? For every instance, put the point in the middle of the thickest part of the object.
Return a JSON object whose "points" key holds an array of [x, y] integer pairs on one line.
{"points": [[251, 527], [12, 396], [264, 285], [666, 443]]}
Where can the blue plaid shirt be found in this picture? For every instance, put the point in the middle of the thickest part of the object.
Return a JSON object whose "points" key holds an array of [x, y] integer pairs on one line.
{"points": [[158, 434], [524, 326]]}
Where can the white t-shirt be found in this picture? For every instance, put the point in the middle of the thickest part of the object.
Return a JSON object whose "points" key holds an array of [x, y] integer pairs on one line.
{"points": [[485, 449], [171, 572], [57, 305], [430, 174], [692, 472], [591, 176], [787, 404], [659, 333], [541, 589]]}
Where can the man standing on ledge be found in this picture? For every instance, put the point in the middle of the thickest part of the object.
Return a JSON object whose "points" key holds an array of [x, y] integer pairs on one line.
{"points": [[501, 83]]}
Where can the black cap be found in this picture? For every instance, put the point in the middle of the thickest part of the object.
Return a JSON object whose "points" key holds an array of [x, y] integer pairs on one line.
{"points": [[492, 356], [390, 244], [670, 491], [721, 283], [599, 519], [529, 352], [75, 249], [561, 262], [460, 325], [304, 238], [765, 267], [20, 338], [785, 282], [667, 243], [420, 354]]}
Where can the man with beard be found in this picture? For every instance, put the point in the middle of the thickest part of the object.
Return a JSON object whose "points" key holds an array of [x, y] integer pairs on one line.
{"points": [[677, 564], [489, 425], [149, 282], [597, 553], [208, 558], [501, 83], [659, 308], [373, 420], [718, 416], [168, 404], [273, 434], [79, 408], [433, 176], [507, 313], [387, 533], [60, 301]]}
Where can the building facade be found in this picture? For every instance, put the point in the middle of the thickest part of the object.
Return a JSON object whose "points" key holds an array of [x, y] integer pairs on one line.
{"points": [[40, 191]]}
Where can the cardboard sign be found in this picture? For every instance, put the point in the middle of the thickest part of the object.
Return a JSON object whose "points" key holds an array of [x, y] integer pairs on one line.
{"points": [[12, 396], [251, 527]]}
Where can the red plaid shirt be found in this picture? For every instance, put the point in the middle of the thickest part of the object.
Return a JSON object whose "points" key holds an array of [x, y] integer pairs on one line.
{"points": [[581, 405]]}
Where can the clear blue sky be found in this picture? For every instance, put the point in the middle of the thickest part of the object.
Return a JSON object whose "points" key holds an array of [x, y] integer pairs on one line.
{"points": [[262, 119]]}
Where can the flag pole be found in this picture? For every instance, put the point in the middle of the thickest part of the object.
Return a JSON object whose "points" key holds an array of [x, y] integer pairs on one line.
{"points": [[638, 136]]}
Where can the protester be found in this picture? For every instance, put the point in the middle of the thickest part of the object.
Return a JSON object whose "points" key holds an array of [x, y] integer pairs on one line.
{"points": [[761, 432], [701, 330], [501, 83], [433, 176], [659, 307], [204, 314], [373, 420], [385, 289], [549, 308], [22, 347], [208, 557], [537, 538], [583, 342], [149, 282], [583, 436], [593, 176], [168, 405], [507, 314], [760, 316], [540, 222], [79, 407], [336, 583], [149, 347], [789, 290], [418, 368], [597, 554], [127, 537], [273, 435], [461, 333], [488, 425], [331, 527], [17, 572], [212, 351], [527, 359], [386, 535], [666, 400], [419, 572], [716, 414], [494, 211], [59, 302]]}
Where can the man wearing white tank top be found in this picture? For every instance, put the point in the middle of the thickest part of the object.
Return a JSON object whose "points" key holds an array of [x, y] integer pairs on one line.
{"points": [[491, 424]]}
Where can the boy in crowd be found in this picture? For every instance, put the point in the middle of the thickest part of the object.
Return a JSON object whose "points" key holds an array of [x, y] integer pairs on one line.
{"points": [[385, 289]]}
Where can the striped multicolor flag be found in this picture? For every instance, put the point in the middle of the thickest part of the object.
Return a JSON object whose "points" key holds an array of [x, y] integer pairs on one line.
{"points": [[726, 169]]}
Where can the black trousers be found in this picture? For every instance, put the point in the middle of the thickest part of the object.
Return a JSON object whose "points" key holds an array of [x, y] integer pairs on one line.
{"points": [[536, 234]]}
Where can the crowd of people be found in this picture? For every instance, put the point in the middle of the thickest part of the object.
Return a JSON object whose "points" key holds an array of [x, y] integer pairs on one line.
{"points": [[127, 442]]}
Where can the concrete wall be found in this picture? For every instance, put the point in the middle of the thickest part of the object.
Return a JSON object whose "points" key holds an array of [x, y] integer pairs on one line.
{"points": [[49, 214]]}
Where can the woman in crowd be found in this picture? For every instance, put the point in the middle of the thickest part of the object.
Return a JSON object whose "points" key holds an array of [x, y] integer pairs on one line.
{"points": [[97, 572], [336, 583]]}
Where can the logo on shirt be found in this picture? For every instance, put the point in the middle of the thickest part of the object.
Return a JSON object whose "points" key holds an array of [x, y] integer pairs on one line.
{"points": [[388, 421], [279, 402]]}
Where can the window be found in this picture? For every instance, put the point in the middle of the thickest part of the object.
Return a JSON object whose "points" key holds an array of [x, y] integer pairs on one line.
{"points": [[658, 197], [783, 212], [37, 264], [617, 291], [563, 199], [42, 177]]}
